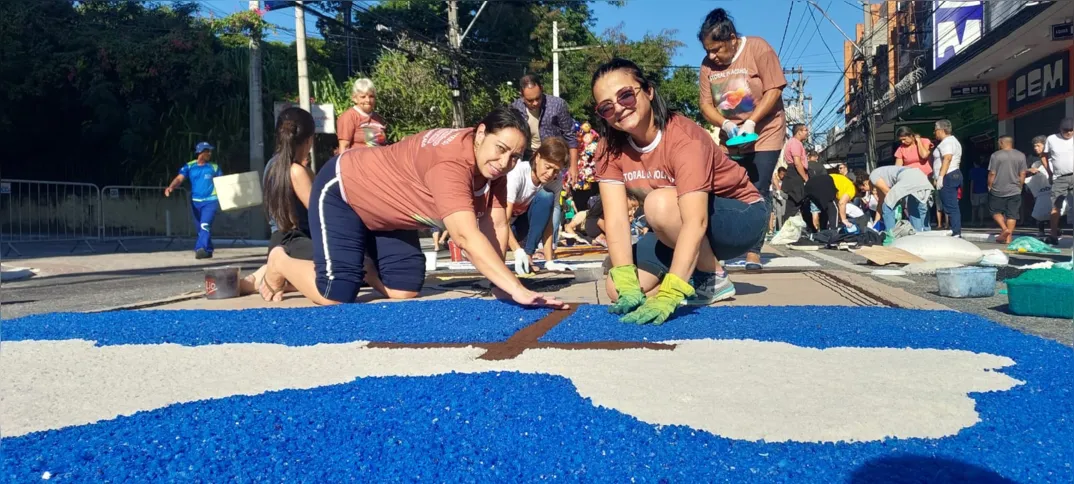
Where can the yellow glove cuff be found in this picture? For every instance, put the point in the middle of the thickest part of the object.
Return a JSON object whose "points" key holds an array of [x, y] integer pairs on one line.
{"points": [[675, 284]]}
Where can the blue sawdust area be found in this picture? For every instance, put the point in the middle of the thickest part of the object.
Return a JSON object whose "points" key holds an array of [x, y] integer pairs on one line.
{"points": [[497, 427]]}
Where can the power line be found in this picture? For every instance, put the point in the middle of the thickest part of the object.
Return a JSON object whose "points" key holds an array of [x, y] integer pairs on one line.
{"points": [[785, 25]]}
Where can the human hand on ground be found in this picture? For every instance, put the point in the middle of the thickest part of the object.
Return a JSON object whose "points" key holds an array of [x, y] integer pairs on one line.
{"points": [[526, 297], [657, 310], [627, 286]]}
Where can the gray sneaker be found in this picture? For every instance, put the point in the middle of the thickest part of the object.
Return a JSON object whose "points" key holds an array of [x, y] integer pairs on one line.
{"points": [[710, 288]]}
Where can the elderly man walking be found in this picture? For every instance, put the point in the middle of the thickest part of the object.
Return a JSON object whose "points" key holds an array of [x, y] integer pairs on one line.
{"points": [[548, 117], [1058, 162], [946, 159]]}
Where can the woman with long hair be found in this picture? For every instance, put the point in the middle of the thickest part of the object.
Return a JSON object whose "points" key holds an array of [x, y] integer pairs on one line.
{"points": [[699, 205], [742, 92], [368, 205], [286, 190]]}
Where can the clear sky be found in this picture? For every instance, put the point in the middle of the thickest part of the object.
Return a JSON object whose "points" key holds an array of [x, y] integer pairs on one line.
{"points": [[804, 44]]}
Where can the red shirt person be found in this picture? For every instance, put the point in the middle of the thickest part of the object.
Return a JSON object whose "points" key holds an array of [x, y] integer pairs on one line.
{"points": [[913, 151], [700, 205], [360, 125], [367, 206]]}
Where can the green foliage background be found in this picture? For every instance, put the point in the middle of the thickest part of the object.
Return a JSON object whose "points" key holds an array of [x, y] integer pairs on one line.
{"points": [[118, 92]]}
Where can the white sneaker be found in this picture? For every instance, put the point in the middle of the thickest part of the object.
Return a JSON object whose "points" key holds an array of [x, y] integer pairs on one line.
{"points": [[710, 288]]}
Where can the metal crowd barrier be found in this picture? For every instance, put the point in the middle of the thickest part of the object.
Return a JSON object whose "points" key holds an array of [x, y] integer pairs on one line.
{"points": [[143, 212], [48, 211]]}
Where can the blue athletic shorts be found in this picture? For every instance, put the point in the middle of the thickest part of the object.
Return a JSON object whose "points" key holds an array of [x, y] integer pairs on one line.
{"points": [[341, 242]]}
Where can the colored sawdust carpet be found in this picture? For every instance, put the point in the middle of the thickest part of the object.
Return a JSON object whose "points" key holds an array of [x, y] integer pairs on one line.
{"points": [[406, 391]]}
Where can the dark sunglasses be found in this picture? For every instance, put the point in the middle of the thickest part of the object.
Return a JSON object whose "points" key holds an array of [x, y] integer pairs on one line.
{"points": [[625, 98]]}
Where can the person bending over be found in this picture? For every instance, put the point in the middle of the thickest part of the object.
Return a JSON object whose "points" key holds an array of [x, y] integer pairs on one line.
{"points": [[700, 206], [895, 183], [372, 202], [523, 183]]}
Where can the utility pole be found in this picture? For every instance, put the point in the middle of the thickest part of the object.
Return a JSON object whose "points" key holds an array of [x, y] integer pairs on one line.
{"points": [[555, 58], [455, 40], [257, 126], [867, 80], [303, 71]]}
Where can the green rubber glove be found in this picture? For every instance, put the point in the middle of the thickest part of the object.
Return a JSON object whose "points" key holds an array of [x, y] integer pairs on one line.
{"points": [[628, 287], [673, 291]]}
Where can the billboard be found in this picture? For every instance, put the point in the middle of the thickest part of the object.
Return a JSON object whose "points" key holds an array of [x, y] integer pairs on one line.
{"points": [[955, 25]]}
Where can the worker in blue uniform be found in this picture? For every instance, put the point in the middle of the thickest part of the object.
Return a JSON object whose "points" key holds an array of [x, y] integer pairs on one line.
{"points": [[203, 199]]}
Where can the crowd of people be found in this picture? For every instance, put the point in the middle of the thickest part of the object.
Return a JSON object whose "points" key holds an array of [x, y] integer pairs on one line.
{"points": [[668, 199]]}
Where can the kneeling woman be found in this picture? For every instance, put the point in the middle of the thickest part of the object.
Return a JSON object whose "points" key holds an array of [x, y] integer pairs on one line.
{"points": [[700, 206], [369, 204]]}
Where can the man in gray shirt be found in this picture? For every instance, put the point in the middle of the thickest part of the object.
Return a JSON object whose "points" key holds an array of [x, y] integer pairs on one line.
{"points": [[1006, 177]]}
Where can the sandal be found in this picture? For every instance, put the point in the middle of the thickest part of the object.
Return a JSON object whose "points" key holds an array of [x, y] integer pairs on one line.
{"points": [[273, 292]]}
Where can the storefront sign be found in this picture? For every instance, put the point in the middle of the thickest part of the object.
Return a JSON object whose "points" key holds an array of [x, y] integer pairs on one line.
{"points": [[971, 90], [1063, 31], [1043, 79], [957, 25], [324, 115]]}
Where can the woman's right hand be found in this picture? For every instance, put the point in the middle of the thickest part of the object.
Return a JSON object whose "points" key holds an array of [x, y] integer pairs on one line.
{"points": [[526, 297], [730, 128]]}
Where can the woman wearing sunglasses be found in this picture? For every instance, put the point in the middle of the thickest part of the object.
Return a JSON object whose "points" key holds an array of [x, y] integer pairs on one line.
{"points": [[700, 205], [742, 93]]}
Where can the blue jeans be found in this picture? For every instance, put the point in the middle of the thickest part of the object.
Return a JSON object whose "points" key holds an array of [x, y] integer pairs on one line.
{"points": [[759, 166], [949, 197], [543, 208], [734, 228], [204, 213], [915, 211]]}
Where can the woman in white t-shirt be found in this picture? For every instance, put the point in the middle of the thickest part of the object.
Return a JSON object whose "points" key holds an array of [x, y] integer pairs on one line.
{"points": [[947, 177], [523, 183]]}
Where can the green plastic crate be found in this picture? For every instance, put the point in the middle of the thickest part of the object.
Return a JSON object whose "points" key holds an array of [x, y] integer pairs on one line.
{"points": [[1042, 292]]}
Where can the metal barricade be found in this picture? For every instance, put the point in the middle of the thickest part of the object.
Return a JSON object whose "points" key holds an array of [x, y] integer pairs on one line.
{"points": [[48, 211], [143, 212]]}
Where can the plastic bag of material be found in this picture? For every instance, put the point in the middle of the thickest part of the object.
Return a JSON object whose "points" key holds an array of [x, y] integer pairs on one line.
{"points": [[994, 258], [1031, 244], [790, 232], [940, 248]]}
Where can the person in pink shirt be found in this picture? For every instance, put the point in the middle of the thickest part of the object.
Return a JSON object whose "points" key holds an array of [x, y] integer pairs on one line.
{"points": [[913, 151], [794, 153]]}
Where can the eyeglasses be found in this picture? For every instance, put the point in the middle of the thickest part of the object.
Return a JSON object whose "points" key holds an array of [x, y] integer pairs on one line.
{"points": [[625, 98]]}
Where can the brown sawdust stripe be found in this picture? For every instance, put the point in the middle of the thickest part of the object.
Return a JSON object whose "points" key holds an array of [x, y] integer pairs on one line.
{"points": [[529, 338]]}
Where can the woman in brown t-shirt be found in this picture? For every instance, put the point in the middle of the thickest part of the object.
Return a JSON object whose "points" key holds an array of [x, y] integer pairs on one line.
{"points": [[367, 207], [742, 92], [699, 204]]}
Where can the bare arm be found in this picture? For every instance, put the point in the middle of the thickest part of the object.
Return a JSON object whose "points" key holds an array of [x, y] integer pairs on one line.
{"points": [[1047, 166], [843, 200], [616, 224], [712, 115], [922, 148], [799, 166], [464, 229], [991, 179], [301, 183], [572, 172], [898, 160], [178, 180], [768, 101], [512, 242], [943, 166], [495, 228], [693, 210]]}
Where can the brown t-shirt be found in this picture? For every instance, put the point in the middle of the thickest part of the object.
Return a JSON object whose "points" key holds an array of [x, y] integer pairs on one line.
{"points": [[736, 89], [361, 129], [685, 157], [418, 181]]}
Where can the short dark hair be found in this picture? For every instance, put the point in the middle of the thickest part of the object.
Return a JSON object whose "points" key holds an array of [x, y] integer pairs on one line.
{"points": [[614, 139], [529, 80], [904, 131], [718, 26], [504, 117], [861, 175], [781, 169], [797, 127]]}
